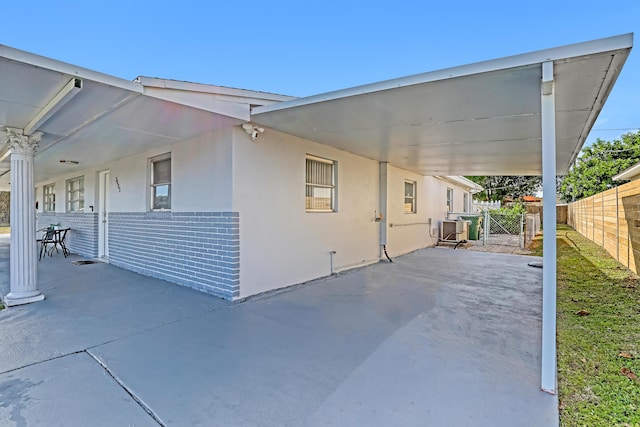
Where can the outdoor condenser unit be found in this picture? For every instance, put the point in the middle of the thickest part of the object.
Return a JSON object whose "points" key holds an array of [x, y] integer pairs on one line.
{"points": [[454, 231]]}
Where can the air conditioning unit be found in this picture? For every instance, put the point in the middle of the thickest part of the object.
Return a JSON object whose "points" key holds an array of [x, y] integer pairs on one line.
{"points": [[454, 231]]}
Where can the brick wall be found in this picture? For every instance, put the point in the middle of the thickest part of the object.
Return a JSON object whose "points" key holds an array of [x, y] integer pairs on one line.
{"points": [[200, 250], [83, 237]]}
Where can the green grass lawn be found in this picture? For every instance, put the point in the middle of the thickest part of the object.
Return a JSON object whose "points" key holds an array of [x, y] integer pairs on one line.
{"points": [[598, 335]]}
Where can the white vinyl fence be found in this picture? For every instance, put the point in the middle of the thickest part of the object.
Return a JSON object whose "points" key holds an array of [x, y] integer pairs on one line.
{"points": [[479, 206]]}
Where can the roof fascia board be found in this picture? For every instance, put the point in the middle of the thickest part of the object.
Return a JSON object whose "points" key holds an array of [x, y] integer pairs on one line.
{"points": [[211, 89], [200, 101], [461, 180], [615, 43], [21, 56], [617, 62], [467, 182]]}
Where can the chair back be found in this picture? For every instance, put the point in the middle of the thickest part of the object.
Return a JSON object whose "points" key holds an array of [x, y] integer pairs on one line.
{"points": [[49, 235]]}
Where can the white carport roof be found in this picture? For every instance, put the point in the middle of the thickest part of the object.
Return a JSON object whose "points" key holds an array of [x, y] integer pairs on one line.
{"points": [[478, 119], [108, 118]]}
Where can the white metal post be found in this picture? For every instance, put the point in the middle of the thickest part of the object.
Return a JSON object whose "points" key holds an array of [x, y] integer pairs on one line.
{"points": [[549, 368]]}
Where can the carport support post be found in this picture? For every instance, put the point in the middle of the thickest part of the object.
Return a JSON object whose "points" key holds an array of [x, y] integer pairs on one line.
{"points": [[22, 252], [549, 368]]}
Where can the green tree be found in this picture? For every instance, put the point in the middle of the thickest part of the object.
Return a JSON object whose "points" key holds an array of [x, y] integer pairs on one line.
{"points": [[499, 187], [597, 165]]}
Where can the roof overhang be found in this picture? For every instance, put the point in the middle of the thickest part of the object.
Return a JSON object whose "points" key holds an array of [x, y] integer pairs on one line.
{"points": [[629, 174], [463, 182], [106, 118], [478, 119]]}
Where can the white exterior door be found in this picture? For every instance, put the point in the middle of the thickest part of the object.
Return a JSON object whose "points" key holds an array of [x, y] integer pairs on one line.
{"points": [[103, 214]]}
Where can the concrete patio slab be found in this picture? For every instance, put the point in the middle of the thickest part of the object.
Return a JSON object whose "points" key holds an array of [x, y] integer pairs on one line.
{"points": [[71, 390], [87, 305], [439, 337]]}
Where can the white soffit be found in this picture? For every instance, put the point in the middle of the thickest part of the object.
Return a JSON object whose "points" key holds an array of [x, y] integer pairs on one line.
{"points": [[478, 119], [108, 119]]}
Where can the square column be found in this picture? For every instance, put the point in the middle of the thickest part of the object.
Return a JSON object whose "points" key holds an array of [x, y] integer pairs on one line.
{"points": [[23, 261], [549, 364]]}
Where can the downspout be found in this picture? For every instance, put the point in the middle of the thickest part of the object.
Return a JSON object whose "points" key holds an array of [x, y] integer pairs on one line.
{"points": [[383, 209]]}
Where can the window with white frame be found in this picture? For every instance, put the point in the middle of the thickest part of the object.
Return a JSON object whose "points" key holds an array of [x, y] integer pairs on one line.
{"points": [[410, 196], [449, 199], [75, 194], [49, 198], [465, 201], [320, 184], [161, 182]]}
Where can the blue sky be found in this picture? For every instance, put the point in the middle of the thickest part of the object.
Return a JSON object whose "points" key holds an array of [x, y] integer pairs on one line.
{"points": [[304, 48]]}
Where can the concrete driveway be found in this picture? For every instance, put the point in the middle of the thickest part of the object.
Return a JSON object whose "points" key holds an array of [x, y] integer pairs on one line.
{"points": [[438, 338]]}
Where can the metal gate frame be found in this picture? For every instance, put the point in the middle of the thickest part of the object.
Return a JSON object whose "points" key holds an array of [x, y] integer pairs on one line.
{"points": [[491, 221]]}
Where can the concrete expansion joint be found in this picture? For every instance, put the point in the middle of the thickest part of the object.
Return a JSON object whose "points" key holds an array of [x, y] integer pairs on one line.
{"points": [[130, 392], [161, 325], [41, 361]]}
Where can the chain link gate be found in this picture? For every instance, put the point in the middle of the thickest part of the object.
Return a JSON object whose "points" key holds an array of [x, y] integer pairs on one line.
{"points": [[504, 229], [498, 228]]}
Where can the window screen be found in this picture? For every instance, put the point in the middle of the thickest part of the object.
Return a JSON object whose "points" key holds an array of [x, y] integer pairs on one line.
{"points": [[161, 183], [320, 185]]}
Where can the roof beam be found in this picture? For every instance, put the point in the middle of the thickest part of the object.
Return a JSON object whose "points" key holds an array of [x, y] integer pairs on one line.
{"points": [[71, 89]]}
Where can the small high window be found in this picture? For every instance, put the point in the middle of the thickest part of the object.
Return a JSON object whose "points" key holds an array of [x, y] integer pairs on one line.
{"points": [[410, 197], [450, 199], [465, 200], [320, 185], [161, 182], [49, 198], [75, 194]]}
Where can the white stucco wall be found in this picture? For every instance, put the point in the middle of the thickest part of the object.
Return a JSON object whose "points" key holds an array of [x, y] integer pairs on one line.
{"points": [[90, 189], [280, 243], [201, 178], [410, 231]]}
